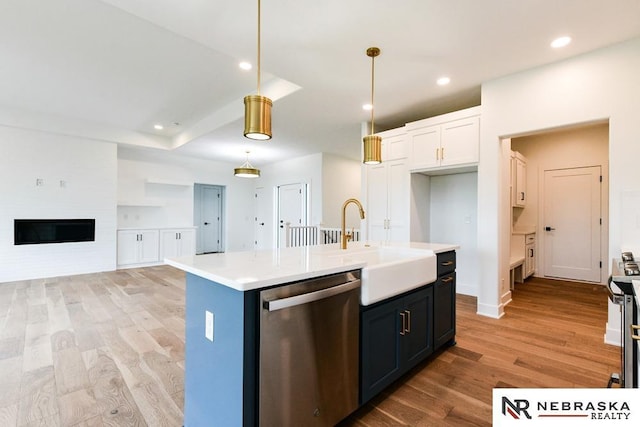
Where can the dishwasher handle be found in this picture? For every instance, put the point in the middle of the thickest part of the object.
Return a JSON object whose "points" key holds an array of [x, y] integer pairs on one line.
{"points": [[279, 304]]}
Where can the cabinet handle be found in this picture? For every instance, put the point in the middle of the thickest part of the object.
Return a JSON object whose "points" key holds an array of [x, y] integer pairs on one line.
{"points": [[446, 263], [442, 153], [531, 253], [635, 328], [437, 154], [447, 279], [408, 329], [522, 195], [402, 328]]}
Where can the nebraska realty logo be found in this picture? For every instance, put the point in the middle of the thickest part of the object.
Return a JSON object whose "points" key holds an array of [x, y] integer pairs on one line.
{"points": [[533, 407]]}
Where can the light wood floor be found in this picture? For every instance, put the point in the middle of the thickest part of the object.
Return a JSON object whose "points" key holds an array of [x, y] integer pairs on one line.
{"points": [[107, 349]]}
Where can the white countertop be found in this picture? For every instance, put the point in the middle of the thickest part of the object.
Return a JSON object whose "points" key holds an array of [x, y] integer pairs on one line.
{"points": [[249, 270], [524, 230]]}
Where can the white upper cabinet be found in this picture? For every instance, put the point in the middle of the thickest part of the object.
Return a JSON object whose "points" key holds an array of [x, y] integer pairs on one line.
{"points": [[446, 141], [518, 180], [394, 144]]}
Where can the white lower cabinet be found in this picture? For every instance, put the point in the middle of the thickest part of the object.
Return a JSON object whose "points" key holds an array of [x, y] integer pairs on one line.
{"points": [[177, 242], [530, 254], [138, 247]]}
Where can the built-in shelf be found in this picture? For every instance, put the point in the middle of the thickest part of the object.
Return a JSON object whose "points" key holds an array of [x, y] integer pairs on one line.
{"points": [[160, 181]]}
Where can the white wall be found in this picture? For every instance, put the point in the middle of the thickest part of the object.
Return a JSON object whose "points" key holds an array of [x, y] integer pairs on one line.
{"points": [[571, 148], [135, 166], [588, 88], [340, 181], [88, 169], [453, 219], [305, 170]]}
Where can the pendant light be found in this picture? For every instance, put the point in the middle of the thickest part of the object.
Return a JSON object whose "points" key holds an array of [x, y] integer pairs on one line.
{"points": [[257, 108], [372, 143], [246, 170]]}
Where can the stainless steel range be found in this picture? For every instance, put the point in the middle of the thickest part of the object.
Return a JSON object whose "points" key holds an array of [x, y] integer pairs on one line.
{"points": [[623, 272]]}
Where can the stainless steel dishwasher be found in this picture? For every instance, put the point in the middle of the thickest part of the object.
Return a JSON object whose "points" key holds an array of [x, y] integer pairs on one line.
{"points": [[309, 351]]}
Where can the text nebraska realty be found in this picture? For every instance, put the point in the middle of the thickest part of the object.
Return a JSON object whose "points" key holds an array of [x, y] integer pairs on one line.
{"points": [[595, 410]]}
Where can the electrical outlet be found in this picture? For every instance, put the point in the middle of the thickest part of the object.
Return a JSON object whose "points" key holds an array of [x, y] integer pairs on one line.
{"points": [[208, 325]]}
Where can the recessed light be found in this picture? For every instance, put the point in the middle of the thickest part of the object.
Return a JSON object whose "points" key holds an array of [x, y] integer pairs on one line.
{"points": [[367, 107], [561, 42], [245, 66], [158, 127], [442, 81]]}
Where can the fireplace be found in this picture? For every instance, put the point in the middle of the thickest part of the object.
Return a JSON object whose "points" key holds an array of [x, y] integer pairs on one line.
{"points": [[39, 231]]}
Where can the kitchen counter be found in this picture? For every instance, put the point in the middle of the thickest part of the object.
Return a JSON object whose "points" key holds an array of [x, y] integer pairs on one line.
{"points": [[524, 230], [222, 315], [251, 270]]}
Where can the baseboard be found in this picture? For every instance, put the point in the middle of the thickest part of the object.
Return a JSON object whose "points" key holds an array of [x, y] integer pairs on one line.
{"points": [[492, 311], [613, 336]]}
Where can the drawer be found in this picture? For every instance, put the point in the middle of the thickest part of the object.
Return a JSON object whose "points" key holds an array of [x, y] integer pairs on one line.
{"points": [[530, 238], [446, 262]]}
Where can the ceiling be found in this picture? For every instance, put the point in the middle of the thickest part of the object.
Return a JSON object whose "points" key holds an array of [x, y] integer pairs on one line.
{"points": [[111, 69]]}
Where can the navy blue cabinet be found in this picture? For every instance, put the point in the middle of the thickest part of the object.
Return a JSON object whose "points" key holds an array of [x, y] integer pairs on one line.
{"points": [[396, 334], [444, 300]]}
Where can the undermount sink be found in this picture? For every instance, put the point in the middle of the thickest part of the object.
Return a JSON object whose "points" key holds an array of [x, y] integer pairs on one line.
{"points": [[391, 270]]}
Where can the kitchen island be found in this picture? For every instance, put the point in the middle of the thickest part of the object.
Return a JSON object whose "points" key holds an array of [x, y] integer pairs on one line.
{"points": [[222, 319]]}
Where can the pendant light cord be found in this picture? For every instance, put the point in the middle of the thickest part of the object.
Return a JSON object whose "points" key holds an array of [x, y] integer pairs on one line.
{"points": [[258, 47], [373, 58]]}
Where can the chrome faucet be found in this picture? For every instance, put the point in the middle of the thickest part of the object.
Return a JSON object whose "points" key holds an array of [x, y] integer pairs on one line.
{"points": [[344, 237]]}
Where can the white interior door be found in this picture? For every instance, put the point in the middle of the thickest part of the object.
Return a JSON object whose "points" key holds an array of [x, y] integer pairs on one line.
{"points": [[260, 218], [291, 209], [572, 223], [211, 224]]}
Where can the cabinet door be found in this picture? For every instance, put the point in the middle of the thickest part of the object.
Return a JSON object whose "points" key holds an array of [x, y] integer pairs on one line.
{"points": [[399, 182], [128, 247], [168, 244], [394, 147], [186, 242], [380, 362], [521, 183], [425, 147], [376, 212], [444, 302], [149, 246], [460, 142], [530, 260], [417, 314]]}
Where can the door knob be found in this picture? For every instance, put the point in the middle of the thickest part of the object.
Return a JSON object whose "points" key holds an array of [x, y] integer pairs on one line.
{"points": [[549, 229], [206, 223], [262, 223]]}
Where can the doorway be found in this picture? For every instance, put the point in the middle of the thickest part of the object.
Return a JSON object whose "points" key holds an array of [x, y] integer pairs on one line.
{"points": [[567, 189], [261, 216], [292, 208], [208, 218], [572, 221]]}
